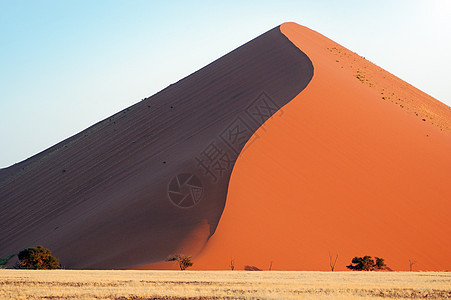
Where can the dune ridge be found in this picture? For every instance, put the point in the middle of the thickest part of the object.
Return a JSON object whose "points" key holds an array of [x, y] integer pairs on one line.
{"points": [[339, 157], [152, 179], [358, 165]]}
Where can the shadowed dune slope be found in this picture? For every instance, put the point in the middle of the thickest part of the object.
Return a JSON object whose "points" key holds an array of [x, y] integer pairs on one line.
{"points": [[359, 164], [152, 179]]}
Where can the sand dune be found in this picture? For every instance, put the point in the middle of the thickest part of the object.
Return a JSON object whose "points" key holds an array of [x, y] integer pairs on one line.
{"points": [[151, 180], [333, 154], [359, 164]]}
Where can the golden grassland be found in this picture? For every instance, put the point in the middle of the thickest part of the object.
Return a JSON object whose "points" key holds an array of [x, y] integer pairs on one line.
{"points": [[118, 284]]}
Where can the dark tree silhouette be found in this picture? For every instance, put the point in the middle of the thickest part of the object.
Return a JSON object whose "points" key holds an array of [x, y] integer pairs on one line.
{"points": [[411, 263], [380, 264], [332, 261], [251, 268], [37, 258], [367, 263], [183, 261]]}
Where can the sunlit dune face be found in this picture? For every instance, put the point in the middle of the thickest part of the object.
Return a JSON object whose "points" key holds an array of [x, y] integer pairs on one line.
{"points": [[357, 165]]}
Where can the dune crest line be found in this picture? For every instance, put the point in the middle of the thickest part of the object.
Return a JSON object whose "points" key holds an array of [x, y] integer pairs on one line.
{"points": [[358, 165], [152, 179]]}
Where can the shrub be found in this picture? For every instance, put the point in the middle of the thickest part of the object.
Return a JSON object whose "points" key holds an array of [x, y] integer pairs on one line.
{"points": [[183, 261], [4, 261], [367, 263], [251, 268], [37, 258], [380, 264]]}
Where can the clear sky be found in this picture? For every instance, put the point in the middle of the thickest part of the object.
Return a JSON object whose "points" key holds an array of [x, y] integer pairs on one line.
{"points": [[65, 65]]}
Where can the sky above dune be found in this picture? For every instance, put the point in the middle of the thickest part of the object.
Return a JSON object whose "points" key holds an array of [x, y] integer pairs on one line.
{"points": [[65, 65]]}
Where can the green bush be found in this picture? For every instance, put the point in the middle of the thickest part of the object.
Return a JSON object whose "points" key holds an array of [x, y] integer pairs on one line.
{"points": [[4, 261], [36, 259]]}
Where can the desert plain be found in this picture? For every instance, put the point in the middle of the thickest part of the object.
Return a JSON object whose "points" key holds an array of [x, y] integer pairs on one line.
{"points": [[347, 159], [127, 284]]}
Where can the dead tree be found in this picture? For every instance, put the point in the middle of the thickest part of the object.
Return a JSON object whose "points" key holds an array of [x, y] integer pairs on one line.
{"points": [[332, 261], [411, 263], [232, 264]]}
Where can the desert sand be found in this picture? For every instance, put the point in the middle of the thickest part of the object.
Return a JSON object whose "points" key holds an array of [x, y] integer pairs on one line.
{"points": [[119, 284], [286, 150], [359, 164], [152, 179]]}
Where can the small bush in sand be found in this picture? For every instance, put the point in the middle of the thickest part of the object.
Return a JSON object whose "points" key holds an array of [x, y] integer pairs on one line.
{"points": [[38, 258], [251, 268], [183, 261], [4, 261], [367, 263]]}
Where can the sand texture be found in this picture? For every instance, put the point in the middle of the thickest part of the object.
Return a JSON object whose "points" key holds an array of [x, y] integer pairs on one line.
{"points": [[152, 179], [359, 164], [201, 285], [283, 152]]}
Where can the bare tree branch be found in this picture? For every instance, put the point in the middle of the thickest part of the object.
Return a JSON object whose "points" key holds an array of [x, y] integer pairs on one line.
{"points": [[332, 262], [411, 263]]}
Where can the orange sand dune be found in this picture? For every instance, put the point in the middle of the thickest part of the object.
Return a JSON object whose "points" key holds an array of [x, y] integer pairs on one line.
{"points": [[152, 179], [358, 164], [352, 161]]}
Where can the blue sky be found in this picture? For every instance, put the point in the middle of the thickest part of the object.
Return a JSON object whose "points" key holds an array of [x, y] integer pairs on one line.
{"points": [[64, 65]]}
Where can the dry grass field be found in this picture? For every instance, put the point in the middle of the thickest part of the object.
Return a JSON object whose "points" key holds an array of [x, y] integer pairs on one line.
{"points": [[72, 284]]}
